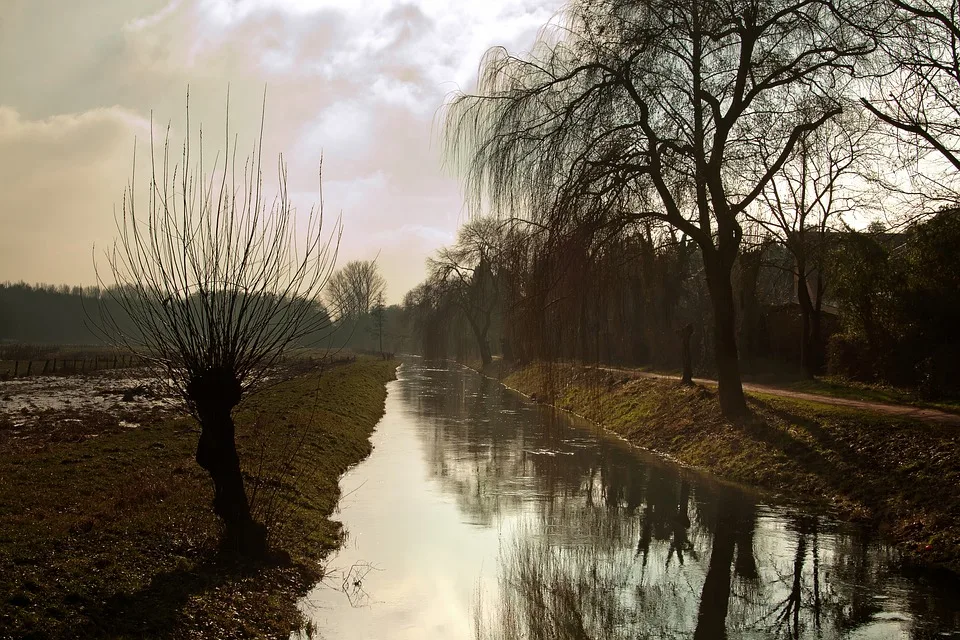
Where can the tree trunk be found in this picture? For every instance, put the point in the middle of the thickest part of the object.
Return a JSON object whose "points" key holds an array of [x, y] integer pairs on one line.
{"points": [[817, 353], [685, 334], [485, 355], [217, 454], [715, 597], [506, 347], [816, 327], [807, 346], [214, 397], [482, 343], [729, 386]]}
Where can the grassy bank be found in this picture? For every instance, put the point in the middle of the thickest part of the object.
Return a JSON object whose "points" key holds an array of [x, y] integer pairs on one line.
{"points": [[111, 534], [899, 474]]}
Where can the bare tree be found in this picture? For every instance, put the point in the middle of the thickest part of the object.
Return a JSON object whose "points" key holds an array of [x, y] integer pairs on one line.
{"points": [[806, 200], [467, 271], [918, 94], [217, 285], [354, 289], [632, 110]]}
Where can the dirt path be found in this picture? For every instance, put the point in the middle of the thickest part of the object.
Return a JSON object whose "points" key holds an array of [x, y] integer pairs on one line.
{"points": [[932, 416]]}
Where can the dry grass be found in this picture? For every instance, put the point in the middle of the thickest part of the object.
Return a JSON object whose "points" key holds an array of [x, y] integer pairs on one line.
{"points": [[112, 535]]}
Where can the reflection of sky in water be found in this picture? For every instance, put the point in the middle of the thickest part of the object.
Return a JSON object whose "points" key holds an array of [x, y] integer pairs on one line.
{"points": [[476, 504]]}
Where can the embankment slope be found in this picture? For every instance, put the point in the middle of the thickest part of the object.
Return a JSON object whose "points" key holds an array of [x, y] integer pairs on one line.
{"points": [[901, 474]]}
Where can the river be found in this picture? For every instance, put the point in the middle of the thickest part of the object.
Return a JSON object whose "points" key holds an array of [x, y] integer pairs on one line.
{"points": [[480, 514]]}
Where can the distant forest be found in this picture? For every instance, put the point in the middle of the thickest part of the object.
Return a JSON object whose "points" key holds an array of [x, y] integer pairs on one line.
{"points": [[45, 314]]}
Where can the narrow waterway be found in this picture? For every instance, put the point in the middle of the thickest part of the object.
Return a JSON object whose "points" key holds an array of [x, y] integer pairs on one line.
{"points": [[482, 515]]}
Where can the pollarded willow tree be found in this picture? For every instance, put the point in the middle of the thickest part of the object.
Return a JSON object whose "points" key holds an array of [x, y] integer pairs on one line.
{"points": [[632, 110], [217, 282]]}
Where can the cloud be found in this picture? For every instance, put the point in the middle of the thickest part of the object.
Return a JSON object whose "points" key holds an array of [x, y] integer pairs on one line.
{"points": [[359, 82], [60, 178]]}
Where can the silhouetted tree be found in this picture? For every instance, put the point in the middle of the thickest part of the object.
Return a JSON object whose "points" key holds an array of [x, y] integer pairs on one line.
{"points": [[805, 202], [656, 109], [378, 311], [354, 289], [217, 288], [467, 272]]}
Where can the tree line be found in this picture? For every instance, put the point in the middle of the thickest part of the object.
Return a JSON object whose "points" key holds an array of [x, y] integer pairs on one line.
{"points": [[345, 316], [652, 164]]}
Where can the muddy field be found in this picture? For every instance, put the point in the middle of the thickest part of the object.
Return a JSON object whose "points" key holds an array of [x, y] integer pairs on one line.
{"points": [[106, 528], [44, 409], [40, 410]]}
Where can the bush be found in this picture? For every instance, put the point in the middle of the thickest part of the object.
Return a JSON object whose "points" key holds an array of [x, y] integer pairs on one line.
{"points": [[899, 306]]}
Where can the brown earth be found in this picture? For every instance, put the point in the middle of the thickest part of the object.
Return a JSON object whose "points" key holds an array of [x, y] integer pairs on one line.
{"points": [[106, 526]]}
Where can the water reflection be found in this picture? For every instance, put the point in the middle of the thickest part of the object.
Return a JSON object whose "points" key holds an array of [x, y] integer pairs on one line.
{"points": [[592, 539]]}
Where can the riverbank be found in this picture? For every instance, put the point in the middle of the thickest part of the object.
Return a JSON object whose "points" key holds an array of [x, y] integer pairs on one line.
{"points": [[106, 528], [898, 474]]}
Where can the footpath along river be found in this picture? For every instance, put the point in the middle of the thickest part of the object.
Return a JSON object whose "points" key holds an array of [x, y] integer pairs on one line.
{"points": [[480, 514]]}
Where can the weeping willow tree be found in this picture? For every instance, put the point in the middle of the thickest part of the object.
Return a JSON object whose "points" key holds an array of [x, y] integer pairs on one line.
{"points": [[213, 282], [654, 110]]}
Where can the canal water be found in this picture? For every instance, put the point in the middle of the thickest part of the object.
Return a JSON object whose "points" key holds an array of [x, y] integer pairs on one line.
{"points": [[480, 514]]}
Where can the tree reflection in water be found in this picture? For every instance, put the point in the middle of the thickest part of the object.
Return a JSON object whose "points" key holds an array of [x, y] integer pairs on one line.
{"points": [[607, 542]]}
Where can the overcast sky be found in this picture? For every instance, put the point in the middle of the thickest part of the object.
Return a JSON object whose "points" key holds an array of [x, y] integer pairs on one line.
{"points": [[359, 81]]}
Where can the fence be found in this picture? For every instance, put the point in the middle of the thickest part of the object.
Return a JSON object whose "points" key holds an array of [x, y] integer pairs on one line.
{"points": [[66, 366]]}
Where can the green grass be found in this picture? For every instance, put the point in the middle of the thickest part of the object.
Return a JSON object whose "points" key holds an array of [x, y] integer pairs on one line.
{"points": [[896, 473], [113, 536], [832, 386]]}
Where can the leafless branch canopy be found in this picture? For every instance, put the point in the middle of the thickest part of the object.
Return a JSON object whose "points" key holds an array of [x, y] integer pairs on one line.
{"points": [[353, 289], [469, 270], [820, 183], [215, 277], [631, 109], [916, 93]]}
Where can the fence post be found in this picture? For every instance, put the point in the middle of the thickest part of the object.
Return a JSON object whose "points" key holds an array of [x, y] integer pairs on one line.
{"points": [[46, 366], [29, 366], [54, 365], [16, 368]]}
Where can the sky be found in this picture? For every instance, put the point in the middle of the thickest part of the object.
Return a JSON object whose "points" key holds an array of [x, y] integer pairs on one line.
{"points": [[358, 82]]}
